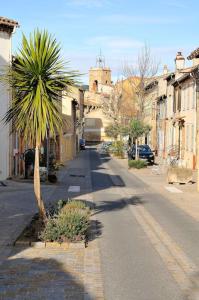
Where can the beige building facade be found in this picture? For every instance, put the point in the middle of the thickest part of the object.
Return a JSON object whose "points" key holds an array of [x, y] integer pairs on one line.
{"points": [[7, 28], [173, 99], [72, 111]]}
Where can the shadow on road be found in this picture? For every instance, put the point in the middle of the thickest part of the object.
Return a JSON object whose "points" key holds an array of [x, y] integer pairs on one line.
{"points": [[40, 278], [115, 205]]}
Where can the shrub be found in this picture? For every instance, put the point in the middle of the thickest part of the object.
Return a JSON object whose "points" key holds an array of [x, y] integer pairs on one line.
{"points": [[74, 204], [73, 224], [55, 208], [118, 148], [51, 231], [60, 204], [70, 224], [137, 164]]}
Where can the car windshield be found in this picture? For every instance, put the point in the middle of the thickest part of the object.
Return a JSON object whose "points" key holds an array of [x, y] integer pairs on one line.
{"points": [[143, 148]]}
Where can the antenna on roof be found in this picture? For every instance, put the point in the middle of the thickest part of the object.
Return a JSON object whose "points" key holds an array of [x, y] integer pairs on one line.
{"points": [[100, 60]]}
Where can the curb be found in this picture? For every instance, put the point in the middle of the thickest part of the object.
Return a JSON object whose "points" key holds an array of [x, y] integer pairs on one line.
{"points": [[51, 245]]}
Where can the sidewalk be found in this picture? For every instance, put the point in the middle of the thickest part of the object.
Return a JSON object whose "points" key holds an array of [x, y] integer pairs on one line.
{"points": [[33, 273], [185, 196]]}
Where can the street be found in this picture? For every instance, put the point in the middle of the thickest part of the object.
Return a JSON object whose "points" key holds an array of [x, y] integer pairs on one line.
{"points": [[148, 246], [145, 247], [99, 150]]}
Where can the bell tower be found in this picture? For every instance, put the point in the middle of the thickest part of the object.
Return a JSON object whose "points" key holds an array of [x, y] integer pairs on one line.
{"points": [[99, 75]]}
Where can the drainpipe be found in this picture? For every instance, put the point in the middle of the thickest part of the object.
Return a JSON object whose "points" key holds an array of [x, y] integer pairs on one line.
{"points": [[195, 75], [165, 127], [179, 141], [197, 131]]}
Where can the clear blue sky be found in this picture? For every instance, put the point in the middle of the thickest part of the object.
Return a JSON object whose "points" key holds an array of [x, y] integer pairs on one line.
{"points": [[119, 28]]}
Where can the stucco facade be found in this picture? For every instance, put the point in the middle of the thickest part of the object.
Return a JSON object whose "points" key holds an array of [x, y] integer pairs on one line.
{"points": [[67, 137], [7, 27], [173, 102], [72, 111]]}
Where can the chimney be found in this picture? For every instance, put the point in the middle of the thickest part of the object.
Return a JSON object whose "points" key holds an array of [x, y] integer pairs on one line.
{"points": [[194, 56], [179, 61], [165, 70], [195, 61]]}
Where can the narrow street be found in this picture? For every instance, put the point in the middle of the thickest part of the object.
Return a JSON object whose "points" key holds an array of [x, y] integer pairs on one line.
{"points": [[145, 247], [99, 150], [148, 246]]}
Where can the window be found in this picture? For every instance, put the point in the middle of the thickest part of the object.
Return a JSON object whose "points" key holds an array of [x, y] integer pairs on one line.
{"points": [[187, 137], [183, 99], [171, 104], [95, 85], [179, 99], [192, 137], [193, 95], [187, 96], [174, 100]]}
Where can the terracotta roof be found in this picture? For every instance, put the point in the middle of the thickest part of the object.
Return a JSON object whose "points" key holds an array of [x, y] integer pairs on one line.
{"points": [[8, 22], [194, 54]]}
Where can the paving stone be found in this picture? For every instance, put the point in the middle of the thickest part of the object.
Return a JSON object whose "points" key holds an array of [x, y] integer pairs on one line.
{"points": [[34, 273]]}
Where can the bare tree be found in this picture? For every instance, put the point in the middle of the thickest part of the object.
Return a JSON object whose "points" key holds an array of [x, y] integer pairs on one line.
{"points": [[116, 105], [111, 104], [144, 71]]}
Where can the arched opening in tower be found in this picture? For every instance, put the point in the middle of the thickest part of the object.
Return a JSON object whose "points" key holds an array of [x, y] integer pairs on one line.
{"points": [[95, 86]]}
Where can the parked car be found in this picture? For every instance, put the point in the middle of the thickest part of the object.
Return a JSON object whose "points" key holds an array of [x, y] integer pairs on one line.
{"points": [[144, 152], [104, 147], [106, 144], [82, 144]]}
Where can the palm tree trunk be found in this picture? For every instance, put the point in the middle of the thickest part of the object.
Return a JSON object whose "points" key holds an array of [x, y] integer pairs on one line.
{"points": [[37, 187]]}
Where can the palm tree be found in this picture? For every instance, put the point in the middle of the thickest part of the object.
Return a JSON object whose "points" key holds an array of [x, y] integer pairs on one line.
{"points": [[37, 77]]}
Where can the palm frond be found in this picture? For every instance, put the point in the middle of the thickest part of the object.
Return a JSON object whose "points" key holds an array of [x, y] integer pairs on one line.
{"points": [[37, 77]]}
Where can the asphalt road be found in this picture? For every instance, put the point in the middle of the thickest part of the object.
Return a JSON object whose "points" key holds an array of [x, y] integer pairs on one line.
{"points": [[136, 265]]}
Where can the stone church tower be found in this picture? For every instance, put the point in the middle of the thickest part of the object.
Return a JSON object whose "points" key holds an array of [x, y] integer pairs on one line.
{"points": [[99, 75], [100, 86]]}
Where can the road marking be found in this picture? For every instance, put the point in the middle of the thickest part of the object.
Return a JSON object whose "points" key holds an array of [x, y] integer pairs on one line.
{"points": [[173, 189], [179, 265], [74, 188], [176, 261]]}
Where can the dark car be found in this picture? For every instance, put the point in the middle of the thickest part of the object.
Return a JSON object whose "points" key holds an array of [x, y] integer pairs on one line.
{"points": [[82, 144], [144, 152]]}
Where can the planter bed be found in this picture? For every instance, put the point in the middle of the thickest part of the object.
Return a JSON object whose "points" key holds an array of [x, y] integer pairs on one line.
{"points": [[56, 232]]}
